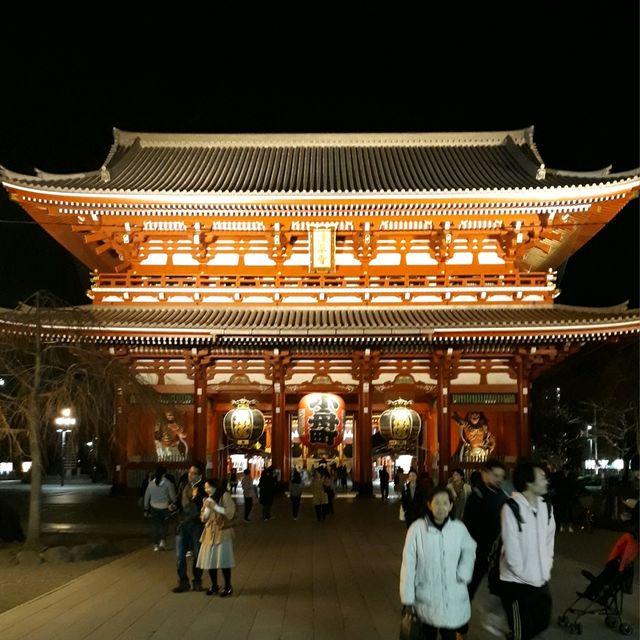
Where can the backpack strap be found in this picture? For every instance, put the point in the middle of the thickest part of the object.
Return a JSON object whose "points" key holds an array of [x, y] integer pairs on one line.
{"points": [[515, 508], [549, 507]]}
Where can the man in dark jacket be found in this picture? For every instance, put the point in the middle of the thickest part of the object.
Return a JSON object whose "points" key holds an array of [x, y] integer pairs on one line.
{"points": [[383, 474], [414, 496], [564, 492], [189, 503], [482, 517], [267, 489]]}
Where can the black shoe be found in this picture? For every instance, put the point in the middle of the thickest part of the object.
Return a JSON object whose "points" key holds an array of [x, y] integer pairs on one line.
{"points": [[181, 588], [227, 591], [197, 585], [213, 590]]}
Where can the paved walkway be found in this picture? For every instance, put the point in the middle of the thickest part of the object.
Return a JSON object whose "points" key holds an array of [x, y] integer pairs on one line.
{"points": [[294, 580]]}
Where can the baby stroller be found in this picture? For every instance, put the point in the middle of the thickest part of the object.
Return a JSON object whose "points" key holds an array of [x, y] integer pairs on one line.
{"points": [[604, 593]]}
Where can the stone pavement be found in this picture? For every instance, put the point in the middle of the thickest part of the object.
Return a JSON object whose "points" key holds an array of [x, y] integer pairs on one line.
{"points": [[294, 580]]}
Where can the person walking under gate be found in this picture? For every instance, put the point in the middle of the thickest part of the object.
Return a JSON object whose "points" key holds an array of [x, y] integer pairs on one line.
{"points": [[295, 493], [267, 488], [383, 474], [319, 495], [248, 492], [159, 498]]}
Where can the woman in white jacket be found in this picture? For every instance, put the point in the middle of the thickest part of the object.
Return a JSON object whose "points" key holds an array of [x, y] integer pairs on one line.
{"points": [[437, 565]]}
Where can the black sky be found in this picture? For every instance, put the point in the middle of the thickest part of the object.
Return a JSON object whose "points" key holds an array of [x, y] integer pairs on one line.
{"points": [[573, 76]]}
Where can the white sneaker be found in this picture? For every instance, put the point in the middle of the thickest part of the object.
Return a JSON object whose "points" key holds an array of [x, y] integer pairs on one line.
{"points": [[570, 529], [493, 624], [561, 528], [494, 631], [188, 554], [156, 547], [161, 546]]}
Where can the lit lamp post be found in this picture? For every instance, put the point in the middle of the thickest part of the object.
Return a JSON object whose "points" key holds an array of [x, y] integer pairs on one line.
{"points": [[65, 421]]}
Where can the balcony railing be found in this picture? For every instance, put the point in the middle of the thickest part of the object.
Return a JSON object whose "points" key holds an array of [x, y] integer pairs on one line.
{"points": [[327, 288]]}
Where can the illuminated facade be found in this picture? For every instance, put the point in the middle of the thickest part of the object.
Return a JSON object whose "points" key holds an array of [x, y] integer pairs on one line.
{"points": [[375, 267]]}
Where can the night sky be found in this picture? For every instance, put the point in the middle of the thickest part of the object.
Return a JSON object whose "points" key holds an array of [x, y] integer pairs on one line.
{"points": [[574, 77]]}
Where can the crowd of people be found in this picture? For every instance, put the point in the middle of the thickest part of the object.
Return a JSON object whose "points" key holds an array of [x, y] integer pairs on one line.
{"points": [[205, 514], [490, 531], [459, 536]]}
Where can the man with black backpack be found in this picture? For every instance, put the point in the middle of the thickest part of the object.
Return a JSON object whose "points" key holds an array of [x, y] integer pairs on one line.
{"points": [[527, 530]]}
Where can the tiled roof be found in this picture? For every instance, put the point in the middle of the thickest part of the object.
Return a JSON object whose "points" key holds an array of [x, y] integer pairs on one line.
{"points": [[317, 164], [308, 325]]}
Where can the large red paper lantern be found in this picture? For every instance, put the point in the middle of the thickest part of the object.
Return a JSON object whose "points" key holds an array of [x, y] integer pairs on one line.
{"points": [[321, 420]]}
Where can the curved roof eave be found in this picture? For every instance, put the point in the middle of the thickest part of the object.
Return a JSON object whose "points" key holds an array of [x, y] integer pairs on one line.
{"points": [[541, 192]]}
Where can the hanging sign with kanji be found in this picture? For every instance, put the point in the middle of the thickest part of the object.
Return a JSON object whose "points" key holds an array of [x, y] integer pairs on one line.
{"points": [[321, 420]]}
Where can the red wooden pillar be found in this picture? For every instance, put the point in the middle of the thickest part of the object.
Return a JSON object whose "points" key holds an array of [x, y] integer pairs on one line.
{"points": [[280, 432], [444, 420], [119, 449], [200, 417], [284, 431], [362, 432], [425, 457], [524, 443]]}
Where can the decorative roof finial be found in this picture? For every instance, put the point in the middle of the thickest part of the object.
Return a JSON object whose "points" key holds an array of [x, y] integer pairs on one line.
{"points": [[105, 176], [541, 173]]}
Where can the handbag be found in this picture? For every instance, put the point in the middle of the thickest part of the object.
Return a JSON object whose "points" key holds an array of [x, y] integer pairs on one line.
{"points": [[410, 624], [401, 514]]}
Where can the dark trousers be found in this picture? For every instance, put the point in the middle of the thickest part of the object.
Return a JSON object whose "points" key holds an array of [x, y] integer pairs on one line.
{"points": [[330, 495], [480, 569], [321, 511], [563, 512], [384, 490], [528, 609], [266, 510], [431, 633], [159, 524], [188, 539], [295, 505], [248, 505]]}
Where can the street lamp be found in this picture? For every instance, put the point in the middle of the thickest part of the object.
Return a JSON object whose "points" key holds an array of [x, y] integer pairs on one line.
{"points": [[64, 422]]}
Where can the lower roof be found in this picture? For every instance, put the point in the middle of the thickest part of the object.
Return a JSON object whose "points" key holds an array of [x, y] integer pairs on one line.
{"points": [[273, 327]]}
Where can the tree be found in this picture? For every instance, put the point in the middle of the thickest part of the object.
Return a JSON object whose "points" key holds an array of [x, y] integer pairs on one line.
{"points": [[555, 435], [614, 425], [597, 387], [48, 361]]}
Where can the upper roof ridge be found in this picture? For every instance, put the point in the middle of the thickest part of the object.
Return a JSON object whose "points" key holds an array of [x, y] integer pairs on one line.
{"points": [[432, 139]]}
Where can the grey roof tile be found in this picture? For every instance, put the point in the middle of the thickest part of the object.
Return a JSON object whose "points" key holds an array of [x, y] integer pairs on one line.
{"points": [[365, 163]]}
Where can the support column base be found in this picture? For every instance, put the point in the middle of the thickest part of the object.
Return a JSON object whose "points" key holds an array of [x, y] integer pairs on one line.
{"points": [[363, 489]]}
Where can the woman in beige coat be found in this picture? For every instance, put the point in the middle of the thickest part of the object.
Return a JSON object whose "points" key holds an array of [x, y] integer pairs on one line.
{"points": [[320, 499], [216, 543]]}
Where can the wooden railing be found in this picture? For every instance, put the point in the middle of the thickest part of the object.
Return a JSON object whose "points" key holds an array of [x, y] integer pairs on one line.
{"points": [[207, 282]]}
